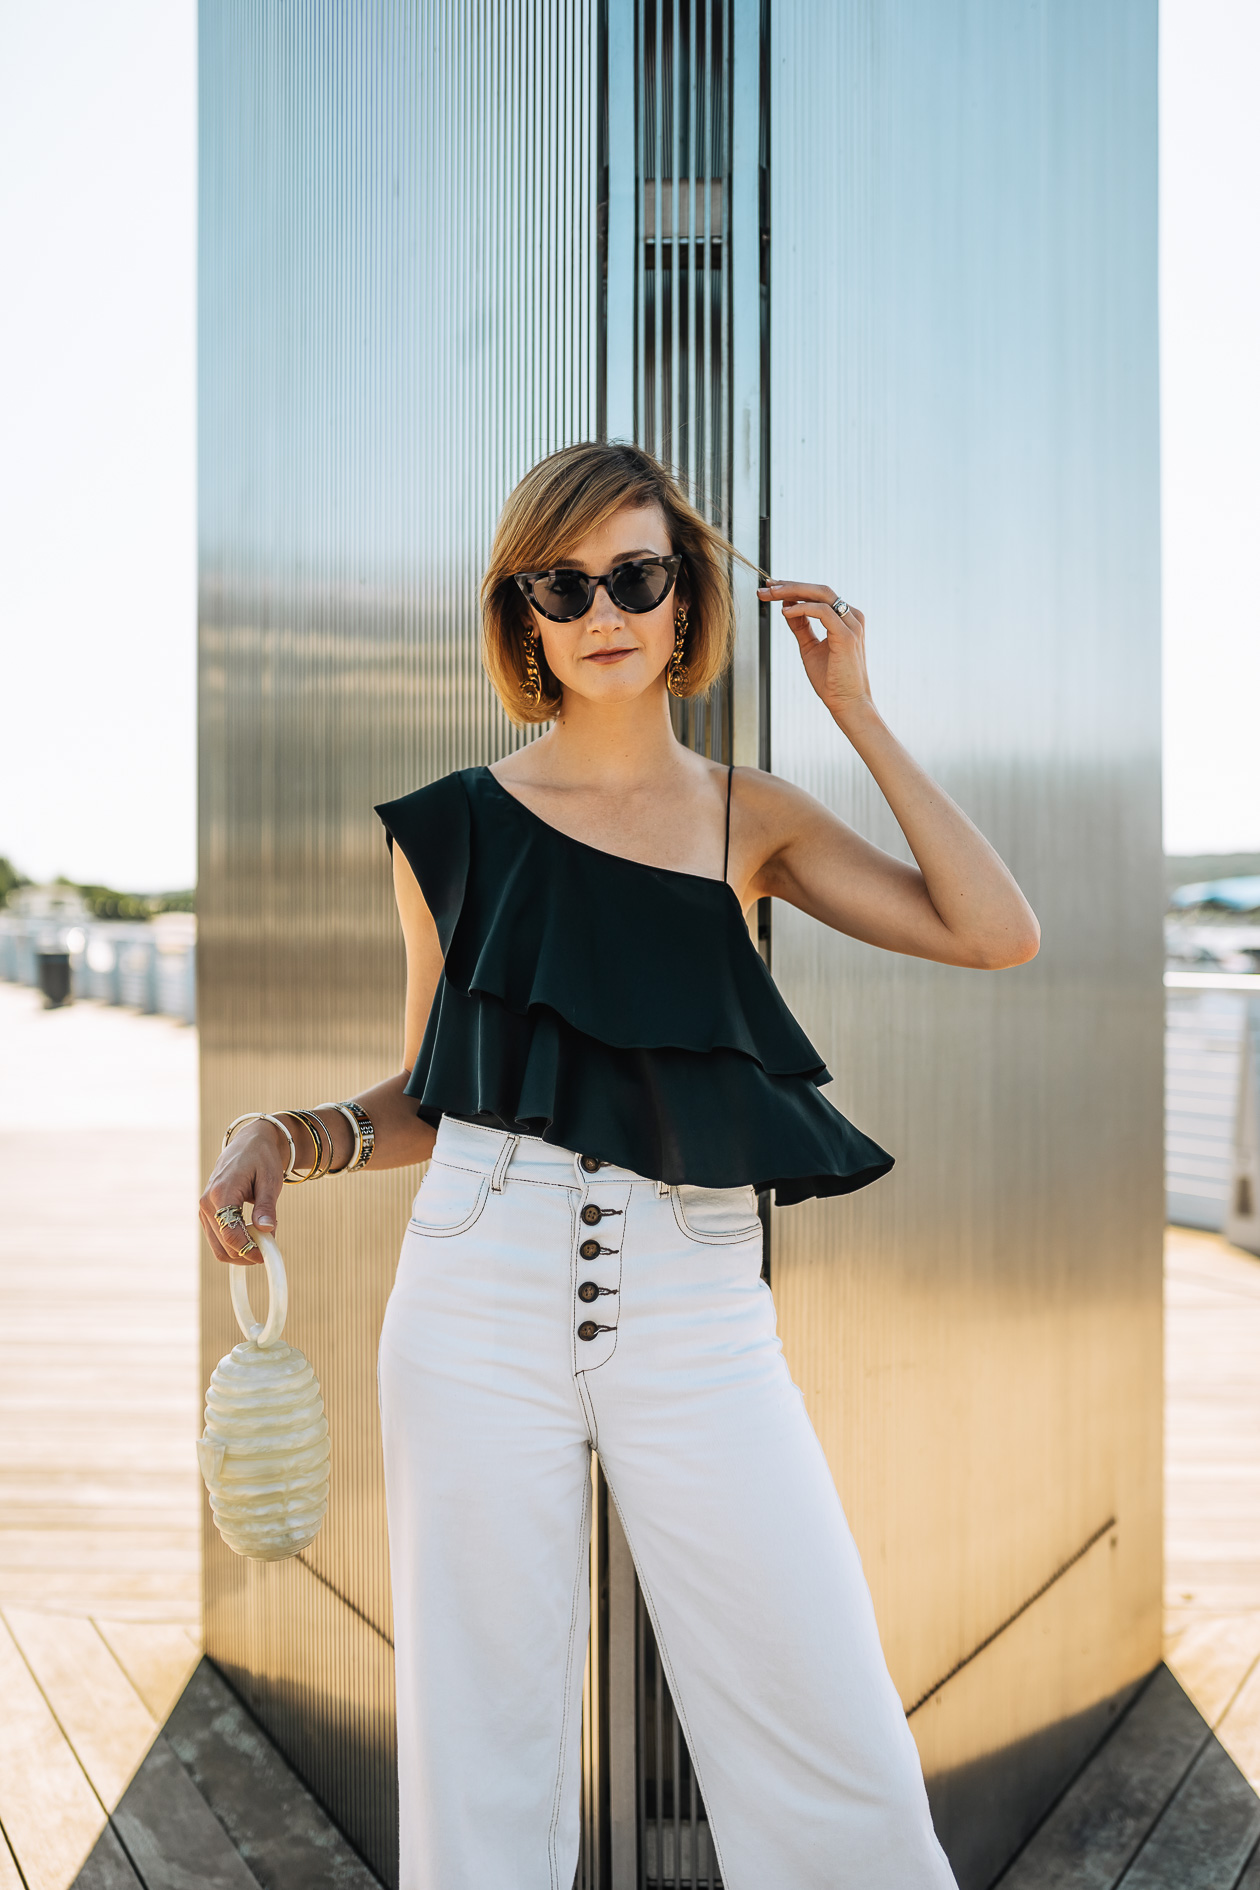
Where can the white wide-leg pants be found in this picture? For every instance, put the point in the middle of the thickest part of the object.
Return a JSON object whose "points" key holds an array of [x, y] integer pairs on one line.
{"points": [[542, 1311]]}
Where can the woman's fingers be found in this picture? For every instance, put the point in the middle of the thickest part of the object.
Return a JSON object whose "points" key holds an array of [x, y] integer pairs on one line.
{"points": [[806, 598], [226, 1229], [248, 1170]]}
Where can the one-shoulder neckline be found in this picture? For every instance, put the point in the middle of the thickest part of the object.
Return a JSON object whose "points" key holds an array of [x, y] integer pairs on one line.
{"points": [[602, 853]]}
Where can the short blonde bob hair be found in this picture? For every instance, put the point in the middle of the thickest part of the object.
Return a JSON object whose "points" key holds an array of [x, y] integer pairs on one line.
{"points": [[558, 502]]}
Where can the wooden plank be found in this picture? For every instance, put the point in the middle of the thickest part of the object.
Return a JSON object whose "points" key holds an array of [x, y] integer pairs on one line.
{"points": [[48, 1811], [1100, 1822], [99, 1391], [1212, 1512], [1212, 1657], [100, 1712], [108, 1868], [10, 1878], [1239, 1730], [280, 1831], [156, 1656], [1207, 1833], [170, 1833]]}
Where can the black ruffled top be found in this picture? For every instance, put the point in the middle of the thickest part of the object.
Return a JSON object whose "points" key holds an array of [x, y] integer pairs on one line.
{"points": [[611, 1007]]}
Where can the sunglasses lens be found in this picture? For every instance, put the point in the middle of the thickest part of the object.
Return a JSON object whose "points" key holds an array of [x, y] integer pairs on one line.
{"points": [[562, 594], [639, 587]]}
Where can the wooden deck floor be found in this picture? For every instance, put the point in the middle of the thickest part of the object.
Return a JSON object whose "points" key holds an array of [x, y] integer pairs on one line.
{"points": [[100, 1504], [1212, 1491], [1172, 1799]]}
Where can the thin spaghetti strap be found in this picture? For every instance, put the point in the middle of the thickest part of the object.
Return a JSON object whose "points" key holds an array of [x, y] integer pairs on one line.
{"points": [[726, 857]]}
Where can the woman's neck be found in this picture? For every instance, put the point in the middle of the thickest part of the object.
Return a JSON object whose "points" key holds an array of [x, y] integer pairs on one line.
{"points": [[611, 746]]}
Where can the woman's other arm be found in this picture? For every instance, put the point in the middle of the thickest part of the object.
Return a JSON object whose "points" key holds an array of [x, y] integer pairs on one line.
{"points": [[251, 1167], [957, 904]]}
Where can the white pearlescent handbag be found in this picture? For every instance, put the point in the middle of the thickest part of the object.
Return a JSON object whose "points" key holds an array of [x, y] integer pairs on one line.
{"points": [[264, 1454]]}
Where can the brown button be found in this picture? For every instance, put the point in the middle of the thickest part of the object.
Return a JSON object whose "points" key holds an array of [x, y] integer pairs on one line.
{"points": [[588, 1329], [592, 1215], [588, 1291], [589, 1250], [591, 1163]]}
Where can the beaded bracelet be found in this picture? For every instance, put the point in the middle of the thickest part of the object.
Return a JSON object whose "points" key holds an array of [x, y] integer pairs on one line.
{"points": [[364, 1136]]}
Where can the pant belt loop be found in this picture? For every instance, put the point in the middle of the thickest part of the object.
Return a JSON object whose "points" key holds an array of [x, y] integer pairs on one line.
{"points": [[504, 1162], [662, 1190]]}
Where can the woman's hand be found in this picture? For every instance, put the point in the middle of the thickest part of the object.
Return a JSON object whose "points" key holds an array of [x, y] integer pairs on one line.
{"points": [[250, 1169], [835, 662]]}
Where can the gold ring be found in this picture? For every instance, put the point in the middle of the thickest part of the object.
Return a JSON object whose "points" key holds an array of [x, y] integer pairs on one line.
{"points": [[229, 1217]]}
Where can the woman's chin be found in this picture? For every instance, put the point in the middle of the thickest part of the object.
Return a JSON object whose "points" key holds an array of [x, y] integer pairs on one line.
{"points": [[612, 685]]}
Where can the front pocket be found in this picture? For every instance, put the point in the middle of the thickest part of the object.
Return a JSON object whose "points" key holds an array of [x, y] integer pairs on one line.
{"points": [[717, 1216], [450, 1201]]}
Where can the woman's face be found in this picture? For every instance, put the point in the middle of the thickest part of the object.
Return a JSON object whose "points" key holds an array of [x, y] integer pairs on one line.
{"points": [[613, 655]]}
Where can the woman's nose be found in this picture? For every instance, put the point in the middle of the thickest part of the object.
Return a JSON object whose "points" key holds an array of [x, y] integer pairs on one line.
{"points": [[603, 613]]}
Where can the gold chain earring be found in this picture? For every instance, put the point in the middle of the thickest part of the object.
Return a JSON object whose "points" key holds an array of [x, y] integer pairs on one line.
{"points": [[676, 674], [531, 688]]}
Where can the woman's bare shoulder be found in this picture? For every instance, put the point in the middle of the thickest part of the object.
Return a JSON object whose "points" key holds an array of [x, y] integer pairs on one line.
{"points": [[767, 800]]}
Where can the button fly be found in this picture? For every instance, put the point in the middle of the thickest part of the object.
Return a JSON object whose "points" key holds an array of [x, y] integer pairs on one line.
{"points": [[588, 1329], [592, 1215], [588, 1291], [592, 1164]]}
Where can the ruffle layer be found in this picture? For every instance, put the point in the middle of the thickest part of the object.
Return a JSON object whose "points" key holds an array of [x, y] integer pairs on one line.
{"points": [[715, 1117], [546, 922], [611, 1007]]}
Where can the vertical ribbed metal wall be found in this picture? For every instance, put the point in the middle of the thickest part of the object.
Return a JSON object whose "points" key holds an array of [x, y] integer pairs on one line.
{"points": [[683, 286], [400, 310], [399, 302], [965, 442]]}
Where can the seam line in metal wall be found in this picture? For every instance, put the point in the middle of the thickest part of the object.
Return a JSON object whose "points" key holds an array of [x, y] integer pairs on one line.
{"points": [[1011, 1619]]}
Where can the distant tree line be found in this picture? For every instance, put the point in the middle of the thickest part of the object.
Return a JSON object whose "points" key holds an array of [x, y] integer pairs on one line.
{"points": [[103, 902]]}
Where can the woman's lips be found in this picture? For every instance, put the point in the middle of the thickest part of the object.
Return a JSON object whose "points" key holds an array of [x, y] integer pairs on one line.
{"points": [[607, 656]]}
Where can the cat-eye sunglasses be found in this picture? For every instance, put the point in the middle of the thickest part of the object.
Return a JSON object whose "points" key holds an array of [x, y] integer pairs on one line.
{"points": [[565, 594]]}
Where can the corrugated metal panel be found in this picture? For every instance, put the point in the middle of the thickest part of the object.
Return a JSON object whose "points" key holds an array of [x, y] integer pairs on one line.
{"points": [[399, 299], [964, 413], [684, 378]]}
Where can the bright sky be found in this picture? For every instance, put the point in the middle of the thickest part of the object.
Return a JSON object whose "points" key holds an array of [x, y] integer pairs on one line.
{"points": [[97, 507], [97, 532], [1210, 340]]}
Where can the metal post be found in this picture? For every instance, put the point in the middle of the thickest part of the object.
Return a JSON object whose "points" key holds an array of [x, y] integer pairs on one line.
{"points": [[744, 279]]}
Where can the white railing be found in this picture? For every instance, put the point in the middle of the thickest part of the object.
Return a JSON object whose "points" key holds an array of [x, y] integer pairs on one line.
{"points": [[1205, 1014], [148, 965]]}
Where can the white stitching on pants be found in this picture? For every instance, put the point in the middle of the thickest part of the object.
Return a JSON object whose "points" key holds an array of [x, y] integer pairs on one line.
{"points": [[584, 1538], [661, 1649]]}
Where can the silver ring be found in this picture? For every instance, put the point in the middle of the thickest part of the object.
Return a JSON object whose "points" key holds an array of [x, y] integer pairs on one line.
{"points": [[839, 606], [229, 1217]]}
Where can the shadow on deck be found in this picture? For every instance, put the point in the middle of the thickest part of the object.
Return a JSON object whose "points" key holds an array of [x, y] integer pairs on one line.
{"points": [[1160, 1806], [214, 1805]]}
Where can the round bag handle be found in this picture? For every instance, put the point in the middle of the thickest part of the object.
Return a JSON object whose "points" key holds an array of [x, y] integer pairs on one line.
{"points": [[277, 1293]]}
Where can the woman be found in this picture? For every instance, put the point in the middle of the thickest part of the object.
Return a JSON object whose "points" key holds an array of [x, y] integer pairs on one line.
{"points": [[603, 1074]]}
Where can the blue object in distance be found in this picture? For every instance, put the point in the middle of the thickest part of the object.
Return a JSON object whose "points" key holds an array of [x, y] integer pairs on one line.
{"points": [[1228, 895]]}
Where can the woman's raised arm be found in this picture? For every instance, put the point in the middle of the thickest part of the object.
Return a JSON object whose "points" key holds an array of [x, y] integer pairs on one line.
{"points": [[958, 904]]}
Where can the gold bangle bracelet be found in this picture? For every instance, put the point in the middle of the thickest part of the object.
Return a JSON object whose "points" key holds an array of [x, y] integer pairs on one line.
{"points": [[320, 1138]]}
